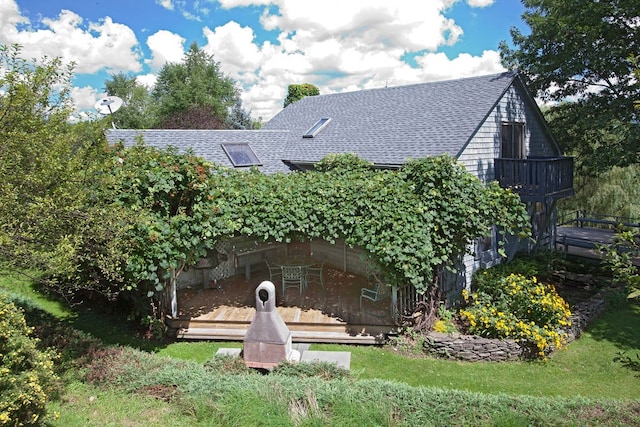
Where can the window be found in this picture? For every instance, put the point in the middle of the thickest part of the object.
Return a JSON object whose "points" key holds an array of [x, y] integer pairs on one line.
{"points": [[512, 141], [320, 124], [483, 245], [485, 251], [241, 154]]}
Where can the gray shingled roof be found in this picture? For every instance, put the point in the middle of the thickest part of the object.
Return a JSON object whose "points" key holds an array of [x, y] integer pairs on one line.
{"points": [[267, 144], [390, 125], [386, 126]]}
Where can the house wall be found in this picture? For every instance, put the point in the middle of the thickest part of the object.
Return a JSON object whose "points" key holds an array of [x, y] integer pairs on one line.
{"points": [[478, 156], [340, 256]]}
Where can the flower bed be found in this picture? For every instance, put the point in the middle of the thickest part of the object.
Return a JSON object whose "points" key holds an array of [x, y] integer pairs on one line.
{"points": [[475, 348], [518, 306]]}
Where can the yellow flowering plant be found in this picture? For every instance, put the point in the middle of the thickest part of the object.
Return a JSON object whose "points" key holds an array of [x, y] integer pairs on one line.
{"points": [[27, 376], [519, 308]]}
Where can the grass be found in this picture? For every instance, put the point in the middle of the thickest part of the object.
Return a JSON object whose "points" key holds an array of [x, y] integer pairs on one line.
{"points": [[24, 284], [87, 405], [209, 397], [585, 368], [513, 393], [198, 351], [111, 328]]}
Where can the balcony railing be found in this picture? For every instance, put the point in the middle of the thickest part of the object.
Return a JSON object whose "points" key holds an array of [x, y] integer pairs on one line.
{"points": [[536, 179]]}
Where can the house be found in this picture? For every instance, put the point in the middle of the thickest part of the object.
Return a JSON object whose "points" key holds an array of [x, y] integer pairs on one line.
{"points": [[491, 124]]}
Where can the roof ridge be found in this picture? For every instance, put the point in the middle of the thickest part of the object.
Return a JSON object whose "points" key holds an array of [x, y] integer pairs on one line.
{"points": [[505, 74]]}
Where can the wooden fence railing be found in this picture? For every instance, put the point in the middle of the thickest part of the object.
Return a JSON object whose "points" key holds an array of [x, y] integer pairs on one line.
{"points": [[596, 220]]}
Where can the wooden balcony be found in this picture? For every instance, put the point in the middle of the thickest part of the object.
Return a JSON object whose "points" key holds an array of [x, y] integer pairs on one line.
{"points": [[536, 179]]}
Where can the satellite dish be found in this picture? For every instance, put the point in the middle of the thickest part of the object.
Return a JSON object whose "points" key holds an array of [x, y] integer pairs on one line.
{"points": [[108, 105]]}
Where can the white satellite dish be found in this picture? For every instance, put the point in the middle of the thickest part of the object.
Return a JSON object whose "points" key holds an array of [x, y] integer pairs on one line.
{"points": [[109, 105]]}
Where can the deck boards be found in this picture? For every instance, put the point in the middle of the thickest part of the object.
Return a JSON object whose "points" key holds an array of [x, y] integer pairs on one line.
{"points": [[331, 314]]}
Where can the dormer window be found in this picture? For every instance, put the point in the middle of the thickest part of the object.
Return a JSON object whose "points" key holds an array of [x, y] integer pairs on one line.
{"points": [[313, 131], [241, 154]]}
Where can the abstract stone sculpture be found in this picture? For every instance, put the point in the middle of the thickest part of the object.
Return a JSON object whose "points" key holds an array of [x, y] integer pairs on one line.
{"points": [[268, 339]]}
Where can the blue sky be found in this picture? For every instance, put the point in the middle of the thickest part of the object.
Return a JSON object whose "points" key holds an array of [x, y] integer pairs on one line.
{"points": [[265, 45]]}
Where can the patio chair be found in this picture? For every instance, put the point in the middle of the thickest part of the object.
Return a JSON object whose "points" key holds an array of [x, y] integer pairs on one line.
{"points": [[379, 293], [314, 273], [275, 272], [293, 277]]}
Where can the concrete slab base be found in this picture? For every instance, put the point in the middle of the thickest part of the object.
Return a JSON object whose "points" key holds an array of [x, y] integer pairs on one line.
{"points": [[301, 353], [229, 352], [340, 358]]}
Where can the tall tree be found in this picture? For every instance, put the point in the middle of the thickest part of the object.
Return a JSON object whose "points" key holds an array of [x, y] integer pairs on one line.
{"points": [[34, 107], [48, 212], [578, 54], [137, 109], [51, 217], [297, 92], [194, 94]]}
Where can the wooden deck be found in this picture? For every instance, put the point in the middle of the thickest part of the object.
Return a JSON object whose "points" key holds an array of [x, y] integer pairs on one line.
{"points": [[329, 315], [583, 241]]}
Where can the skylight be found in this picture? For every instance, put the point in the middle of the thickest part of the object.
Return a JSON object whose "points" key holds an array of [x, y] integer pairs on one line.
{"points": [[241, 154], [320, 124]]}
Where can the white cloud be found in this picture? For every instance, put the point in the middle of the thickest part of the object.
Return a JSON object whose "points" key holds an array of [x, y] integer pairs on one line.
{"points": [[165, 47], [437, 66], [85, 97], [266, 98], [148, 80], [167, 4], [360, 47], [370, 24], [337, 45], [480, 3], [104, 45], [233, 46], [9, 19]]}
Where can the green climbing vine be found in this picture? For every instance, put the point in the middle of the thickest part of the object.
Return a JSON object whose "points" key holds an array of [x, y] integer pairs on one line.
{"points": [[412, 221]]}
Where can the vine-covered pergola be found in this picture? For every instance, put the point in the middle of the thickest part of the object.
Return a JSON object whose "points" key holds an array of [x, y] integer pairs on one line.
{"points": [[412, 221]]}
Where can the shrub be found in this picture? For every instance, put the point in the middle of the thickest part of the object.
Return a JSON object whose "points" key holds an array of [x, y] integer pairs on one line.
{"points": [[444, 323], [72, 345], [324, 370], [27, 378], [226, 364], [619, 257], [519, 308], [538, 265]]}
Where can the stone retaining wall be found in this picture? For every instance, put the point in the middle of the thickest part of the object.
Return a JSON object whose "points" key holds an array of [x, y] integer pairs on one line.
{"points": [[474, 348]]}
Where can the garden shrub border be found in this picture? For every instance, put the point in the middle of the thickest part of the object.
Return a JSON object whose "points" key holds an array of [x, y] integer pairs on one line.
{"points": [[474, 348]]}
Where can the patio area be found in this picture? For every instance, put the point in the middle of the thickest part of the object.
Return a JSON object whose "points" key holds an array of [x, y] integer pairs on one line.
{"points": [[329, 313]]}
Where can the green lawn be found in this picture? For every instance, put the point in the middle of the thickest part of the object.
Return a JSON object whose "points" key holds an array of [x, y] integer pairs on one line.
{"points": [[584, 370]]}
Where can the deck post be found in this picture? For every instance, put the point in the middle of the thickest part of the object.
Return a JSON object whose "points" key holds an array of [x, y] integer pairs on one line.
{"points": [[394, 303], [174, 292]]}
